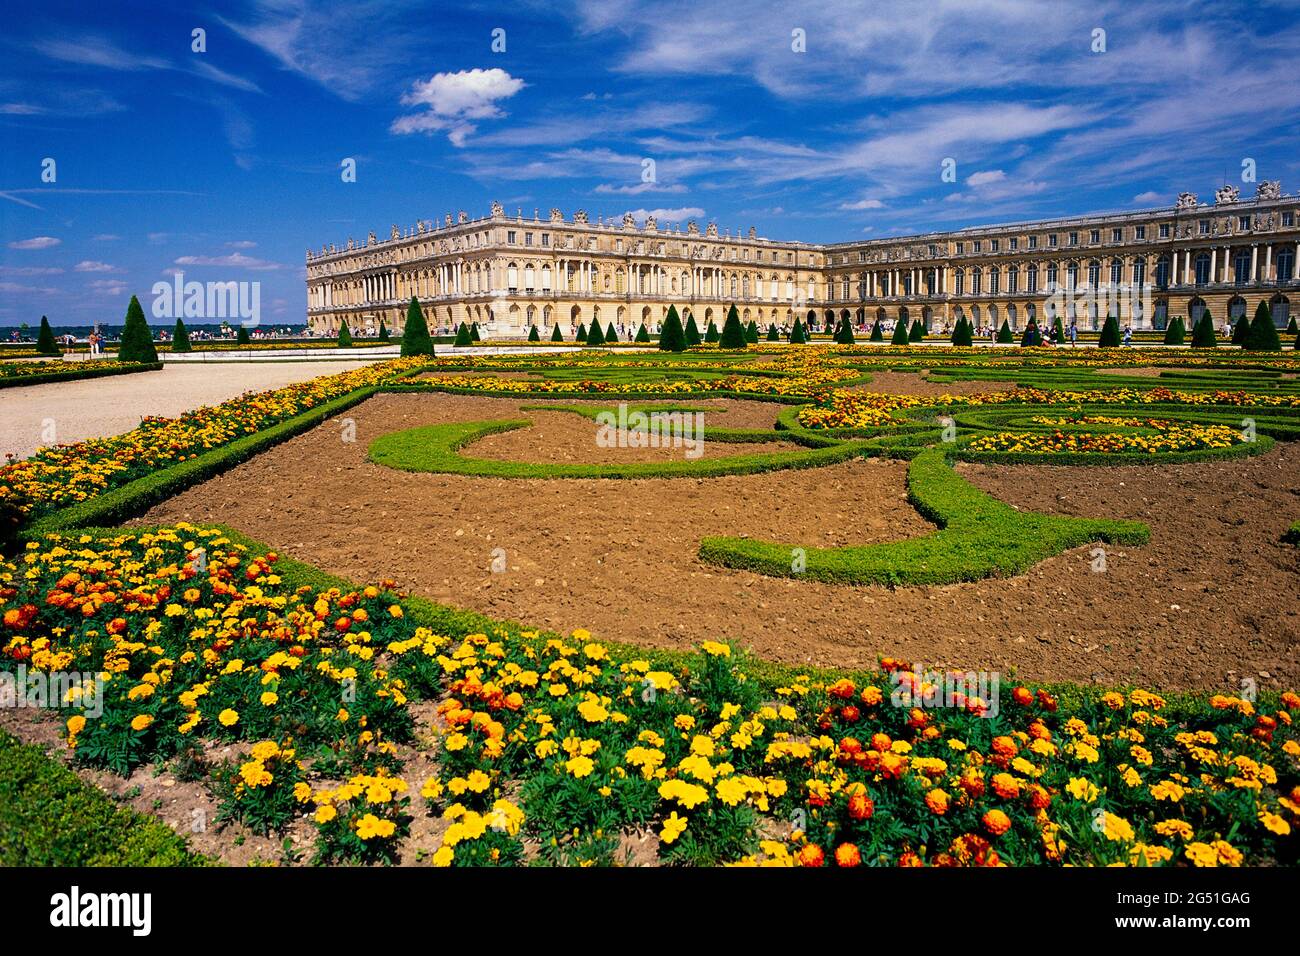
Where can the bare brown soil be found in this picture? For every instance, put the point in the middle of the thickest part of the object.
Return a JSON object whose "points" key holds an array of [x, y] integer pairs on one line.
{"points": [[1211, 600], [914, 383]]}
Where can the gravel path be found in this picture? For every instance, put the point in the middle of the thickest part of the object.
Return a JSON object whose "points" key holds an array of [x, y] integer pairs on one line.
{"points": [[110, 406]]}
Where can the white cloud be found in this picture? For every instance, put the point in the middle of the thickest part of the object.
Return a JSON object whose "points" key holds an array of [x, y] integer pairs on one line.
{"points": [[456, 101], [29, 270], [242, 244], [233, 260], [668, 215], [91, 265], [863, 204], [1148, 197], [37, 242], [105, 237], [638, 188], [984, 177], [109, 287]]}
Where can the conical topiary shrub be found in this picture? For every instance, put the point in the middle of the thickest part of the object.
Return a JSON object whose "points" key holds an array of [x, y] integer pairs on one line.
{"points": [[844, 334], [383, 331], [751, 333], [137, 341], [556, 334], [243, 338], [181, 338], [464, 337], [733, 333], [1240, 331], [1203, 336], [1291, 326], [900, 333], [773, 333], [643, 336], [711, 333], [415, 333], [594, 335], [533, 335], [611, 334], [797, 334], [964, 333], [876, 334], [691, 331], [1176, 333], [1263, 333], [473, 332], [1109, 333], [1032, 336], [1058, 331], [1005, 335], [672, 337], [582, 333], [917, 332], [345, 335], [45, 343]]}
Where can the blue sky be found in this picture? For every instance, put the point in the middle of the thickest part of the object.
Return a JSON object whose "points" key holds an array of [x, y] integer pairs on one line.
{"points": [[225, 164]]}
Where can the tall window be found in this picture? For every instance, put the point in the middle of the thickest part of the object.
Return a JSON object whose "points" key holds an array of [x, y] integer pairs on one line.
{"points": [[1116, 272], [959, 282], [1285, 265], [1162, 272], [1013, 279], [1031, 277], [1241, 266], [993, 280], [1202, 267], [1139, 271]]}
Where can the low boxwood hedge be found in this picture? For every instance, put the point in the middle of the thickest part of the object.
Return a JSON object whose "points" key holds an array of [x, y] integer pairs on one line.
{"points": [[50, 817]]}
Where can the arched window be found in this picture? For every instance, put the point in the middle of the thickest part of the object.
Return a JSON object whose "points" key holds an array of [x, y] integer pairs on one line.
{"points": [[1094, 274], [546, 278], [993, 280], [959, 282], [1052, 280], [528, 279], [1139, 272], [512, 276], [1072, 275], [1031, 277], [1013, 279], [1116, 271], [975, 276], [1280, 306]]}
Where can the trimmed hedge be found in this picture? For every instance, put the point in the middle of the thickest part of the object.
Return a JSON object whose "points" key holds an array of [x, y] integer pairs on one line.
{"points": [[73, 373], [133, 499], [435, 449], [50, 817], [979, 537]]}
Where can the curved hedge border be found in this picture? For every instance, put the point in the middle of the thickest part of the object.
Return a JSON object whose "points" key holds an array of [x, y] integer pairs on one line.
{"points": [[434, 448], [979, 537], [76, 374], [50, 817], [133, 499]]}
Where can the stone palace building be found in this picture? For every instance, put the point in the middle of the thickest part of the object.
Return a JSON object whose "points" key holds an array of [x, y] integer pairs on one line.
{"points": [[508, 273]]}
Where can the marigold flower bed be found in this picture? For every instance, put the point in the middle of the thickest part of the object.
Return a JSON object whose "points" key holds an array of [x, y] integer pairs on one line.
{"points": [[555, 748]]}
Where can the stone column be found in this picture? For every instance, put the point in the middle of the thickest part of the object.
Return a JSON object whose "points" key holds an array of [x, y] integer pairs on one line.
{"points": [[1254, 262]]}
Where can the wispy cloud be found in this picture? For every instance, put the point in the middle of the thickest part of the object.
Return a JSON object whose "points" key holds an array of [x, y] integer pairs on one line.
{"points": [[36, 242]]}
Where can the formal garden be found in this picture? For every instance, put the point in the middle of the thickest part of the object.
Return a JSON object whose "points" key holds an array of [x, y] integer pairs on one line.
{"points": [[303, 640]]}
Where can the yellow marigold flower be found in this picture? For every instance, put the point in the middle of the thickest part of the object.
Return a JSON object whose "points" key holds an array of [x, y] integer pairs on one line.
{"points": [[228, 717], [76, 724], [1168, 790], [716, 649], [141, 722], [445, 854], [1201, 854], [684, 722], [270, 698], [1179, 828], [1081, 789], [688, 795], [326, 813], [302, 791], [674, 826], [702, 746], [579, 766], [546, 748], [371, 826], [478, 781], [1274, 823], [1116, 828], [591, 710], [732, 791]]}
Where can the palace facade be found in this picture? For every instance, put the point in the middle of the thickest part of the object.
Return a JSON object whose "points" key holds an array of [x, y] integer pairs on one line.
{"points": [[509, 274]]}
